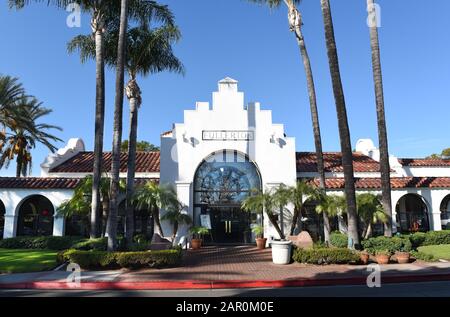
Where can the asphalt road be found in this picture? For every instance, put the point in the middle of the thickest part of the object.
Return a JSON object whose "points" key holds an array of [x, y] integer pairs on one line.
{"points": [[432, 289]]}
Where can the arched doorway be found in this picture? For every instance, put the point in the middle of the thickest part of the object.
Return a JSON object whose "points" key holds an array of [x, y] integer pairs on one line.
{"points": [[2, 218], [412, 214], [445, 212], [35, 217], [222, 181]]}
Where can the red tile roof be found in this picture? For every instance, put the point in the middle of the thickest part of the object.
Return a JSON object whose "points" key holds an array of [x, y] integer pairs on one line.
{"points": [[39, 182], [50, 182], [306, 162], [146, 162], [415, 162], [396, 182]]}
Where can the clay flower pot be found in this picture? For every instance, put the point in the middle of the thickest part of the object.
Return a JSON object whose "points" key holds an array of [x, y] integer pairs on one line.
{"points": [[196, 244], [261, 243], [382, 258], [402, 257], [364, 257]]}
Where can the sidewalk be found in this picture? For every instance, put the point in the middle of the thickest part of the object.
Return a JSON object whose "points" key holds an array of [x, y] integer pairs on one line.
{"points": [[228, 267]]}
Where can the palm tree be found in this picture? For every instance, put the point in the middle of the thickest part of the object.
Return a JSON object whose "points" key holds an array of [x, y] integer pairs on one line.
{"points": [[295, 25], [11, 91], [175, 215], [385, 168], [154, 197], [330, 206], [297, 196], [344, 131], [24, 133], [370, 211], [264, 202]]}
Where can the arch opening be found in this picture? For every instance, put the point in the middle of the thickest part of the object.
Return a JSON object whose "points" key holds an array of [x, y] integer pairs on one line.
{"points": [[445, 212], [35, 216], [222, 181], [2, 218], [412, 214]]}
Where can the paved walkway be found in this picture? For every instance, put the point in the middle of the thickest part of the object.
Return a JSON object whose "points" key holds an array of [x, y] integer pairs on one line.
{"points": [[223, 267]]}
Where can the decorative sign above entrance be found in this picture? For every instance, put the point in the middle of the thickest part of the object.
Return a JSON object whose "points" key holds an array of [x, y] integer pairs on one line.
{"points": [[224, 135]]}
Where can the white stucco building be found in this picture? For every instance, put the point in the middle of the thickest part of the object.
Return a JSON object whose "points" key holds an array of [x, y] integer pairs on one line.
{"points": [[214, 158]]}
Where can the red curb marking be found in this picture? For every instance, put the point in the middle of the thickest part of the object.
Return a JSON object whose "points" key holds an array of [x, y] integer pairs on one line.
{"points": [[165, 285]]}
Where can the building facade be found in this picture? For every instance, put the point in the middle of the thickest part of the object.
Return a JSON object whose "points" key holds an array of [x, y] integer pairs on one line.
{"points": [[214, 160]]}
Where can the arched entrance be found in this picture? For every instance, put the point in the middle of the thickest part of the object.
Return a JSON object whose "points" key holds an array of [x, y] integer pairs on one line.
{"points": [[35, 217], [412, 214], [445, 212], [222, 181], [2, 218]]}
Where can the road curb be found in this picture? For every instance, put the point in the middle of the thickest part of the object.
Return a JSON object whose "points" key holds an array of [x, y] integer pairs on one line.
{"points": [[193, 284]]}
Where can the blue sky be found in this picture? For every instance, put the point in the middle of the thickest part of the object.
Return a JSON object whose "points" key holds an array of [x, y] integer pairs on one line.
{"points": [[252, 44]]}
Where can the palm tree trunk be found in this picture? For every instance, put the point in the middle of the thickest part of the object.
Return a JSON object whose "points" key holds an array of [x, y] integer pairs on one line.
{"points": [[117, 133], [344, 131], [157, 221], [385, 168], [19, 163], [294, 220], [105, 210], [368, 232], [99, 125], [296, 25], [133, 93], [175, 230]]}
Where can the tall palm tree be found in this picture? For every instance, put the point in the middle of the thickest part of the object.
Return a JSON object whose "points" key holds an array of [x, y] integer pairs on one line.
{"points": [[385, 168], [154, 197], [344, 131], [264, 202], [147, 52], [24, 133], [111, 228], [295, 25]]}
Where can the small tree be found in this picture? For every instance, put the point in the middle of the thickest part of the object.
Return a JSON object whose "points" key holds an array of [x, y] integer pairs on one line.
{"points": [[370, 211], [176, 216], [264, 201]]}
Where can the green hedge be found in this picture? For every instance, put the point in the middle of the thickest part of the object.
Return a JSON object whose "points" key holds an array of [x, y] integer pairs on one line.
{"points": [[431, 238], [98, 244], [338, 239], [423, 256], [45, 243], [108, 260], [392, 245], [325, 256]]}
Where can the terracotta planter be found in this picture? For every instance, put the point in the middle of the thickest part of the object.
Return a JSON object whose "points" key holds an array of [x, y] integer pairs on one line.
{"points": [[261, 243], [196, 244], [364, 257], [382, 258], [402, 257]]}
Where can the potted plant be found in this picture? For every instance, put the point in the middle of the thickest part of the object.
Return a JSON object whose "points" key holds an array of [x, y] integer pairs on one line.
{"points": [[402, 256], [197, 234], [260, 240], [364, 256], [383, 256]]}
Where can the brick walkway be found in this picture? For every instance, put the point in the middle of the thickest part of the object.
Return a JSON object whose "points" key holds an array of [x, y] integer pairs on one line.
{"points": [[245, 263]]}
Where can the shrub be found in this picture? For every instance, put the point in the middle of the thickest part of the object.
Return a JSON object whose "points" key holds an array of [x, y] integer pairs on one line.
{"points": [[437, 237], [417, 239], [338, 239], [98, 244], [325, 256], [47, 242], [105, 260], [423, 256], [392, 245]]}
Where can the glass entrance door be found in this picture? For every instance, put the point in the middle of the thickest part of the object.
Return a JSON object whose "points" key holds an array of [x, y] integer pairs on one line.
{"points": [[230, 225]]}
